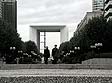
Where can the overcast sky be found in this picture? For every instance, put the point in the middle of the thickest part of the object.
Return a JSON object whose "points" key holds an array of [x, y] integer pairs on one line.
{"points": [[50, 11]]}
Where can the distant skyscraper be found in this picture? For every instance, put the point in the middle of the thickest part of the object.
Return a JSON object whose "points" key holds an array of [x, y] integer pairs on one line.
{"points": [[108, 9], [9, 12], [97, 5], [0, 9]]}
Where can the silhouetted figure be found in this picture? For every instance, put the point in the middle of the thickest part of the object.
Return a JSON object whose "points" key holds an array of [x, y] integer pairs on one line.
{"points": [[55, 54], [46, 55]]}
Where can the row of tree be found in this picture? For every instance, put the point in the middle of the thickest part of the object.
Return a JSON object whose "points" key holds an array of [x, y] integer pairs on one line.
{"points": [[10, 38], [97, 30]]}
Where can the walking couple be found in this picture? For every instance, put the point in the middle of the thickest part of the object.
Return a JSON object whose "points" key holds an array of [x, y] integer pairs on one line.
{"points": [[55, 54]]}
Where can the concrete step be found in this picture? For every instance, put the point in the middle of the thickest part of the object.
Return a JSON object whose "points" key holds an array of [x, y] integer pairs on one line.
{"points": [[54, 66]]}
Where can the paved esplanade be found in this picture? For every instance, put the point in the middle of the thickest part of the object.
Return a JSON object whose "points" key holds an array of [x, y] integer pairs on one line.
{"points": [[56, 72], [56, 76]]}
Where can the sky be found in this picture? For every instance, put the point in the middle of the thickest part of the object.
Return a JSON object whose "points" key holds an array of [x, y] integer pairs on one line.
{"points": [[50, 11]]}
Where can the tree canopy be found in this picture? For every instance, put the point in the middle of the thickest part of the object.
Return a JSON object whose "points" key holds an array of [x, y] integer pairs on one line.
{"points": [[31, 46], [94, 31], [8, 37], [97, 30]]}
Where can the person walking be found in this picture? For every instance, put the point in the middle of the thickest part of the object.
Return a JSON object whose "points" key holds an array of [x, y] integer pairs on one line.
{"points": [[46, 54], [55, 54]]}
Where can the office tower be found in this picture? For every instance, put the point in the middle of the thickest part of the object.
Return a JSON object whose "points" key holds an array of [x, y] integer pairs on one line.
{"points": [[97, 5], [0, 9], [88, 16], [108, 9], [9, 12]]}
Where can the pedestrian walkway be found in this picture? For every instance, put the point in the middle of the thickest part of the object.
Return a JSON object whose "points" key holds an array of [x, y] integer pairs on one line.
{"points": [[56, 76]]}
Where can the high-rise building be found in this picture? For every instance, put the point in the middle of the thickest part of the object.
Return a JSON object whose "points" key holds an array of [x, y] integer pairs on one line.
{"points": [[97, 5], [9, 12], [88, 16], [108, 9], [0, 9]]}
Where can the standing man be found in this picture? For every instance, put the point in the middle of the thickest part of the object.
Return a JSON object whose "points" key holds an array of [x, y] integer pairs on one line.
{"points": [[55, 54], [46, 54]]}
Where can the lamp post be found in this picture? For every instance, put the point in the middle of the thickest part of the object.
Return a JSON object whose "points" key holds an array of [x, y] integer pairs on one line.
{"points": [[77, 50], [12, 56], [12, 49], [19, 58], [20, 53], [98, 46], [92, 48]]}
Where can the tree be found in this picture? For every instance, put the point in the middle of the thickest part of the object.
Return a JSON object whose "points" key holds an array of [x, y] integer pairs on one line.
{"points": [[65, 46], [108, 37], [93, 32], [31, 46], [95, 29], [8, 38], [32, 50]]}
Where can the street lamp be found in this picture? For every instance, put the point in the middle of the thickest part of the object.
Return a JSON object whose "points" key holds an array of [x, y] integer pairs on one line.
{"points": [[12, 49], [77, 49], [92, 47], [20, 54], [77, 52], [98, 46], [19, 58], [12, 55]]}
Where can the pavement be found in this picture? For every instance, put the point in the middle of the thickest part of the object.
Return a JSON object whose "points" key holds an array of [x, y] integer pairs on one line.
{"points": [[56, 72]]}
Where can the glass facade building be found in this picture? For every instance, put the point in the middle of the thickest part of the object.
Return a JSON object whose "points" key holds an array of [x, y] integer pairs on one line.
{"points": [[8, 12], [97, 5], [108, 9]]}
